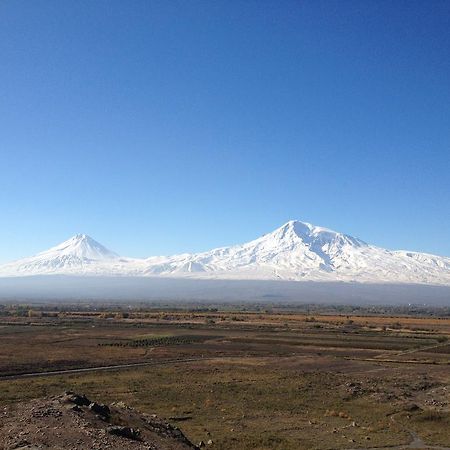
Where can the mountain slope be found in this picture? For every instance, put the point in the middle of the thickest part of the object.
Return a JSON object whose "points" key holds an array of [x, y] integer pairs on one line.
{"points": [[301, 251], [296, 251], [74, 255]]}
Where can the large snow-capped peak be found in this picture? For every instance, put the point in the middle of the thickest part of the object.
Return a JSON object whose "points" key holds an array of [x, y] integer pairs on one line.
{"points": [[292, 251], [316, 243], [302, 251], [316, 239]]}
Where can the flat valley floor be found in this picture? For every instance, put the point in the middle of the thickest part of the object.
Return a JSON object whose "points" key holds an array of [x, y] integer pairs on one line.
{"points": [[244, 380]]}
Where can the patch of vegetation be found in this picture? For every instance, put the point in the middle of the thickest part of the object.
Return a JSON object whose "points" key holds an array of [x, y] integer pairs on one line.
{"points": [[159, 341]]}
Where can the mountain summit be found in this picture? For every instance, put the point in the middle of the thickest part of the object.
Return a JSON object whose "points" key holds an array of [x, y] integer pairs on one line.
{"points": [[314, 235], [78, 253], [296, 251], [81, 246]]}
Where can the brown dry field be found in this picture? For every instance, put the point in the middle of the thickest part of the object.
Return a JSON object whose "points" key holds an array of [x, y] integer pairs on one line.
{"points": [[247, 380]]}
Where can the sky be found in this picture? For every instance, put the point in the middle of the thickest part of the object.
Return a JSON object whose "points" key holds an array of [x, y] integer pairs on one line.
{"points": [[160, 127]]}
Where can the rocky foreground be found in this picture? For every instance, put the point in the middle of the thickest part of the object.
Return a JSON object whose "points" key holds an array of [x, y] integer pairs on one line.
{"points": [[72, 421]]}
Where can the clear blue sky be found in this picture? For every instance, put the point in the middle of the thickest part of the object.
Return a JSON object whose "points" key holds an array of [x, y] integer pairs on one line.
{"points": [[165, 126]]}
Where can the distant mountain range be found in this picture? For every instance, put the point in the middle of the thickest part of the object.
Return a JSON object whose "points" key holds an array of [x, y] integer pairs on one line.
{"points": [[296, 251]]}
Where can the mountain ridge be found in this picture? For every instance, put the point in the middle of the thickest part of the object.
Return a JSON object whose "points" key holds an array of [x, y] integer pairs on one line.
{"points": [[296, 251]]}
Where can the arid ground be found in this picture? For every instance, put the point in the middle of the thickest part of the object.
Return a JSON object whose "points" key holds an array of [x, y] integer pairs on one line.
{"points": [[277, 379]]}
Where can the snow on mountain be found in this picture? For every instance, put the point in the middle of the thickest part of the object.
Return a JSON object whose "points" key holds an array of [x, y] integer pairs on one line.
{"points": [[296, 251], [301, 251], [80, 246], [79, 254]]}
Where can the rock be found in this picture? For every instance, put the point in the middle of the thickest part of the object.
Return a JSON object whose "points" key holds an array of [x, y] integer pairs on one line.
{"points": [[101, 409], [210, 442], [80, 400], [120, 405], [66, 422], [126, 432], [76, 408]]}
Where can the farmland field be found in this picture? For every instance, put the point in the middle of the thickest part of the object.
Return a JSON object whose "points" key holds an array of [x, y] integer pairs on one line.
{"points": [[245, 379]]}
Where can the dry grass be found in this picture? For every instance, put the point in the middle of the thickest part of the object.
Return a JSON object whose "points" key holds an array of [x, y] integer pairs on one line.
{"points": [[273, 382]]}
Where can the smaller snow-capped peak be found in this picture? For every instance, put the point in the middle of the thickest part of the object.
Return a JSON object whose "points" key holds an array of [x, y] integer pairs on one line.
{"points": [[79, 254], [80, 246]]}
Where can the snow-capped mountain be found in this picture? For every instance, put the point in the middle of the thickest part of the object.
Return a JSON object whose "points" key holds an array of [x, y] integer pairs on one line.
{"points": [[295, 251], [79, 254], [301, 251]]}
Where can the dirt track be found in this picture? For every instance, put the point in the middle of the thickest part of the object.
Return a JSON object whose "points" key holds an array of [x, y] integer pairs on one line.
{"points": [[100, 368]]}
